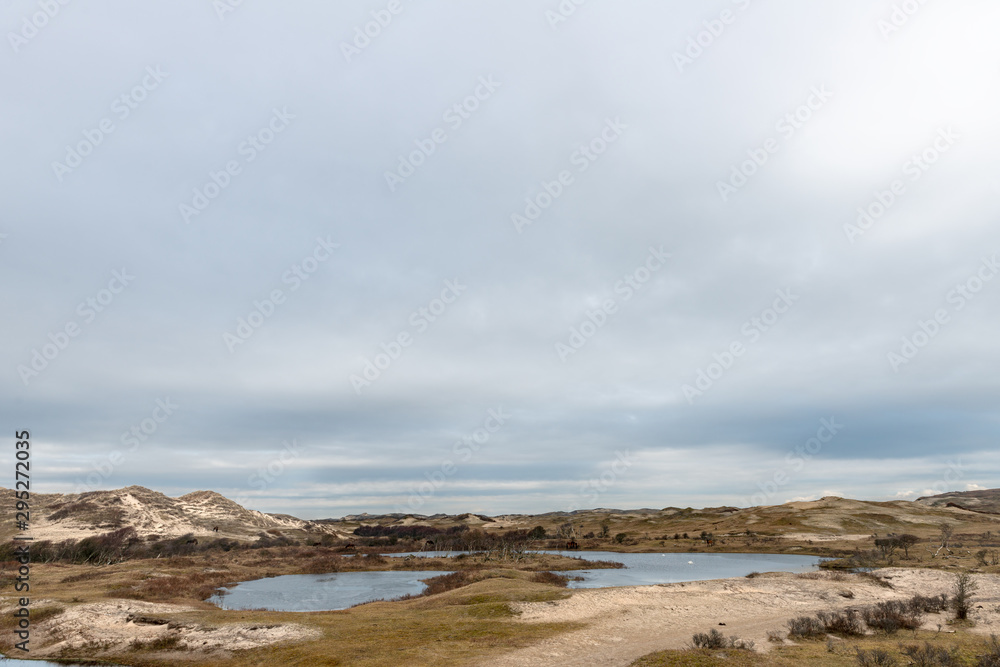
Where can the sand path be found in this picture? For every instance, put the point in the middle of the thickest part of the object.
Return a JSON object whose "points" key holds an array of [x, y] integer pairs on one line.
{"points": [[628, 622]]}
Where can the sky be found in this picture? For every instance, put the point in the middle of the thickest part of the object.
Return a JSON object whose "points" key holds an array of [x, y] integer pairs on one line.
{"points": [[501, 257]]}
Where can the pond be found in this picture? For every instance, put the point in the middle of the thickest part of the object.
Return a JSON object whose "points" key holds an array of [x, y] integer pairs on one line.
{"points": [[322, 592], [647, 569], [326, 592]]}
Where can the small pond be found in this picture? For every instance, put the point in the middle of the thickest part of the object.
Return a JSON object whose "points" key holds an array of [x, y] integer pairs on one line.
{"points": [[647, 569], [325, 592], [322, 592]]}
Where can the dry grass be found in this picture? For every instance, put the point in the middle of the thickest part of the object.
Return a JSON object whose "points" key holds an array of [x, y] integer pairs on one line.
{"points": [[819, 654]]}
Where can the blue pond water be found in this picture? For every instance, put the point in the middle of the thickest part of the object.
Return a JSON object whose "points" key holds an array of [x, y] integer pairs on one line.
{"points": [[324, 592], [647, 569]]}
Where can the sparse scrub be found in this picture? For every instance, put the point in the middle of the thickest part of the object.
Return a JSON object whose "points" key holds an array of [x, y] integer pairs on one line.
{"points": [[891, 616], [991, 658], [874, 658], [805, 627], [448, 582], [929, 605], [846, 623], [713, 639], [165, 643], [550, 578], [931, 656]]}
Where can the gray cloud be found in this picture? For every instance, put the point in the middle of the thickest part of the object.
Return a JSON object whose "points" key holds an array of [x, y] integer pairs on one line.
{"points": [[551, 93]]}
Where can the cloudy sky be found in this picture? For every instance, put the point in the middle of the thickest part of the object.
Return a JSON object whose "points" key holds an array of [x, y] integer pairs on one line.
{"points": [[328, 258]]}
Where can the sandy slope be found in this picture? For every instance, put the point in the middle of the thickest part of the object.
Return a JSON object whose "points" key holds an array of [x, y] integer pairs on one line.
{"points": [[626, 623], [113, 625]]}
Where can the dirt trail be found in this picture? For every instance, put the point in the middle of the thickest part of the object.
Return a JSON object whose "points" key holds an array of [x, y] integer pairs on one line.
{"points": [[629, 622]]}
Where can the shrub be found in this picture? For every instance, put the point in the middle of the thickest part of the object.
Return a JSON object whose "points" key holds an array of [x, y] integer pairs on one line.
{"points": [[929, 605], [846, 623], [714, 639], [805, 627], [931, 656], [620, 537], [447, 582], [892, 616], [874, 658], [550, 578], [159, 644], [537, 533], [961, 601]]}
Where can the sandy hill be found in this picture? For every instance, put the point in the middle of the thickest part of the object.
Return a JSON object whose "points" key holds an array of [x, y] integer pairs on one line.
{"points": [[823, 520], [65, 516], [983, 500], [59, 516]]}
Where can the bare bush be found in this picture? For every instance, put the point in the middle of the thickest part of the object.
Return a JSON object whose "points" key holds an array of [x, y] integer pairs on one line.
{"points": [[846, 623], [931, 656], [874, 658], [961, 601], [550, 578], [805, 627], [714, 639], [891, 616]]}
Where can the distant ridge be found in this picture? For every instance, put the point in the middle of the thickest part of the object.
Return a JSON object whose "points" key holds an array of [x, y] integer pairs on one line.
{"points": [[984, 501]]}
